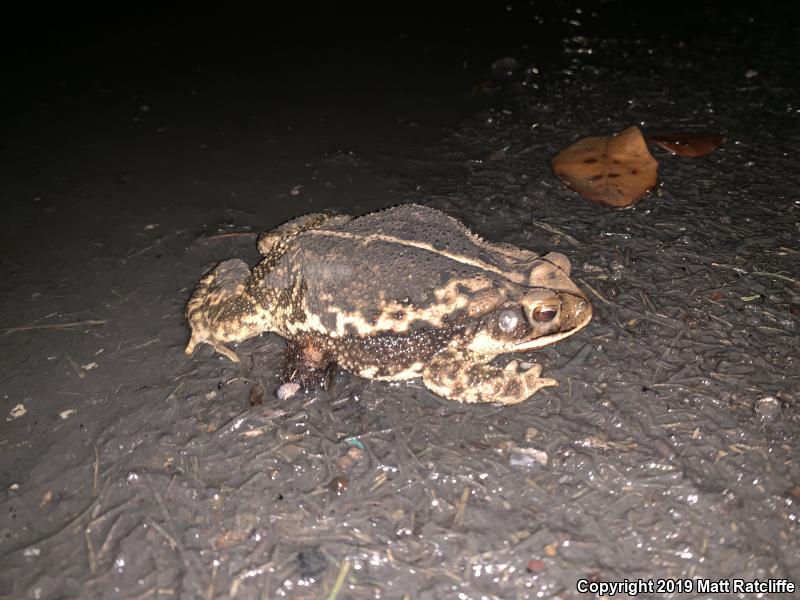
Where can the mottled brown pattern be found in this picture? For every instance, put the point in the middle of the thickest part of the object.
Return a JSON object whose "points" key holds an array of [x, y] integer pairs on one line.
{"points": [[397, 294]]}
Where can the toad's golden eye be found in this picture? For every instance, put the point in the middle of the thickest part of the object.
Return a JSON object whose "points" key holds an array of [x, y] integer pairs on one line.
{"points": [[544, 314], [508, 320]]}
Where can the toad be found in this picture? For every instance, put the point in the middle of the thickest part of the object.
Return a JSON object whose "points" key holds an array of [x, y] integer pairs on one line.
{"points": [[396, 294]]}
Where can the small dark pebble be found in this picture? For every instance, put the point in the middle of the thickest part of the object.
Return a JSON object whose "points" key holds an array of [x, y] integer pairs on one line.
{"points": [[257, 395], [338, 485], [311, 562]]}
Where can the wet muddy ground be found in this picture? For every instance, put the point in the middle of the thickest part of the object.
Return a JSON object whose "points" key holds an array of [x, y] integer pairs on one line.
{"points": [[670, 448]]}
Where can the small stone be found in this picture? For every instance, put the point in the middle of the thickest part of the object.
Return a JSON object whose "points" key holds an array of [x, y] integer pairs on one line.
{"points": [[18, 411], [46, 499], [530, 433], [535, 566], [527, 457], [768, 408], [257, 395], [287, 390]]}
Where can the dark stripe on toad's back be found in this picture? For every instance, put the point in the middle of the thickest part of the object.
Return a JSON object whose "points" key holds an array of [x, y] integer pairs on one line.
{"points": [[362, 272], [364, 278]]}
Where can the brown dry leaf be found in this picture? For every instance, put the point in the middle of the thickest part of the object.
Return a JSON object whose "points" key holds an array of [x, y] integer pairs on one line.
{"points": [[614, 170], [689, 143]]}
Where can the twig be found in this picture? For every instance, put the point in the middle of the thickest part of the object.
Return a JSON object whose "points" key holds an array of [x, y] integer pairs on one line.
{"points": [[96, 471], [380, 479], [557, 231], [210, 589], [246, 573], [170, 540], [92, 555], [90, 323], [157, 242], [75, 366], [595, 292], [720, 319], [776, 275], [462, 506], [232, 234], [337, 585], [109, 538]]}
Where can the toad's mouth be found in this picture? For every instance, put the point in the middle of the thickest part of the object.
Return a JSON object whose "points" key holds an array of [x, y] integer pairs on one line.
{"points": [[545, 340]]}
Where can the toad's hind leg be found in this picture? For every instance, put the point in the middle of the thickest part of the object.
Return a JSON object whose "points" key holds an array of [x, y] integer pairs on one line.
{"points": [[460, 375], [220, 311]]}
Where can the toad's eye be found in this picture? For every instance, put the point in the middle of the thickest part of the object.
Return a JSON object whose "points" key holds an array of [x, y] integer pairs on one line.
{"points": [[543, 314], [508, 320]]}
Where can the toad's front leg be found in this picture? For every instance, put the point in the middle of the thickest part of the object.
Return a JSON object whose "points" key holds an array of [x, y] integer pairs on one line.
{"points": [[222, 311], [459, 374]]}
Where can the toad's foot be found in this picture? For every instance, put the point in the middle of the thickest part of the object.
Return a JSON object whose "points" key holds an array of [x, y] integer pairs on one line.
{"points": [[461, 375], [220, 311]]}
